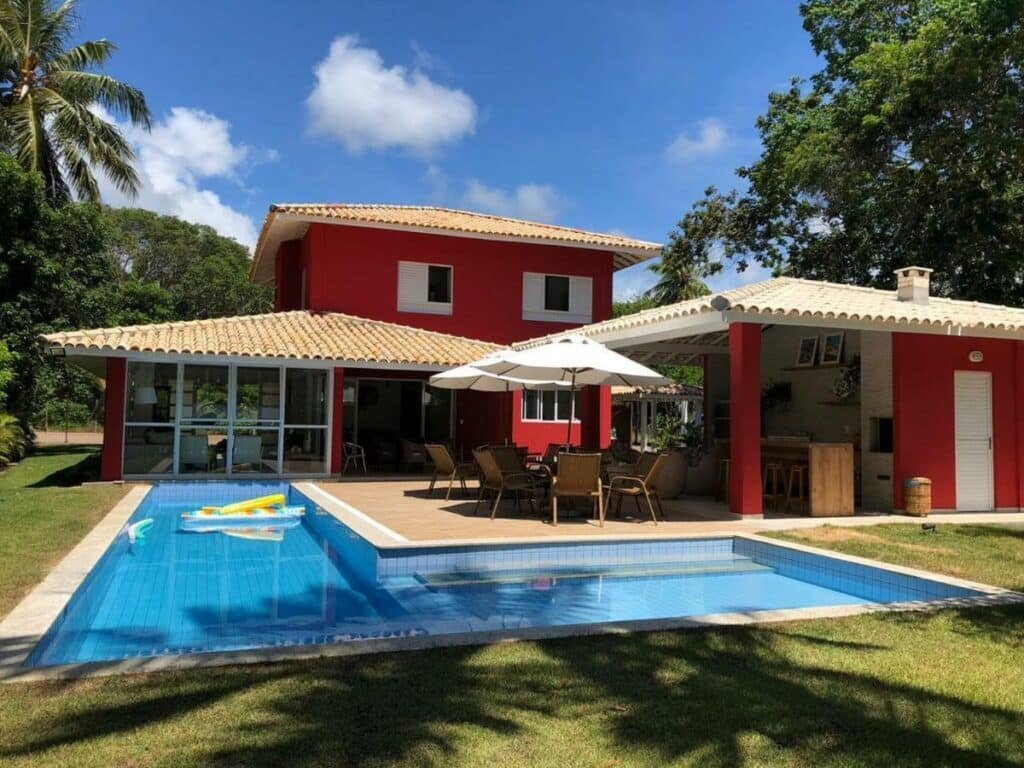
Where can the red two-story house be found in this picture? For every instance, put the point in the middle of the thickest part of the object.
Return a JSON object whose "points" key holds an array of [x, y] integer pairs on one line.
{"points": [[370, 300]]}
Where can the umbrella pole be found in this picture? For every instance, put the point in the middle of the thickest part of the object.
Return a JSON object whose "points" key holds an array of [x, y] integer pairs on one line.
{"points": [[572, 409], [509, 414]]}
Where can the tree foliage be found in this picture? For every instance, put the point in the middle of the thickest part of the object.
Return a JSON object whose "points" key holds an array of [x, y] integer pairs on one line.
{"points": [[203, 274], [907, 147], [66, 267], [6, 372], [49, 91]]}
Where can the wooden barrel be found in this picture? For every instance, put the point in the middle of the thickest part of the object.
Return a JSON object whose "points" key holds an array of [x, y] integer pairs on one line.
{"points": [[917, 496]]}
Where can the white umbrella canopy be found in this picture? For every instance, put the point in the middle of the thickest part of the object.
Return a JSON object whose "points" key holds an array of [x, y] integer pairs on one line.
{"points": [[575, 360], [471, 377], [571, 359]]}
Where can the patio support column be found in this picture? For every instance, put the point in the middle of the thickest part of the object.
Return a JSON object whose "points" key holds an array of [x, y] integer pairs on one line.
{"points": [[113, 418], [745, 419], [338, 422]]}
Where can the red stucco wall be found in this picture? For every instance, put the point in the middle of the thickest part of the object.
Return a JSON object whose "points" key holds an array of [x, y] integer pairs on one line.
{"points": [[924, 431], [355, 270]]}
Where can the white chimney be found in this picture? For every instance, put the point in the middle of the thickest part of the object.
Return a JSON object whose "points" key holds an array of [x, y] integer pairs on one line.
{"points": [[912, 284]]}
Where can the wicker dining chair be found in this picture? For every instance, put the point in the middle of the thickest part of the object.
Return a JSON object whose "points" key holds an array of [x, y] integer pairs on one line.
{"points": [[445, 467], [637, 486], [498, 481], [579, 475]]}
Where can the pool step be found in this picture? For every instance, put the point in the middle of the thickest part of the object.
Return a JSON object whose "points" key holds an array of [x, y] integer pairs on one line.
{"points": [[444, 579]]}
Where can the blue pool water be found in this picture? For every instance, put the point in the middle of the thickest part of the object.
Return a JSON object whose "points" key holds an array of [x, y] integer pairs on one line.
{"points": [[181, 592]]}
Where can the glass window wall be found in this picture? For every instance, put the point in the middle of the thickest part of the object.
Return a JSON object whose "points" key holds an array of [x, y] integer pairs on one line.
{"points": [[200, 419]]}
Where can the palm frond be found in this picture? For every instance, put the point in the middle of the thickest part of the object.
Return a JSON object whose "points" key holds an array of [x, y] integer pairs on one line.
{"points": [[50, 127], [92, 53], [79, 173], [79, 130], [91, 87]]}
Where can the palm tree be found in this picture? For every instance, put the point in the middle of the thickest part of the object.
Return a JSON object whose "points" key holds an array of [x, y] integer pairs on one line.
{"points": [[48, 98], [678, 282]]}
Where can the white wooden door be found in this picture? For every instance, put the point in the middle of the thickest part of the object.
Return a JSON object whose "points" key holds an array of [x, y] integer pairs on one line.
{"points": [[973, 419]]}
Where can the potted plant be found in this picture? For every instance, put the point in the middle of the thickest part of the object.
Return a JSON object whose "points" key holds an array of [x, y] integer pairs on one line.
{"points": [[670, 437]]}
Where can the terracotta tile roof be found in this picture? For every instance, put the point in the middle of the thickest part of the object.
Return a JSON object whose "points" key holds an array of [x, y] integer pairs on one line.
{"points": [[626, 250], [296, 335], [827, 304], [676, 391]]}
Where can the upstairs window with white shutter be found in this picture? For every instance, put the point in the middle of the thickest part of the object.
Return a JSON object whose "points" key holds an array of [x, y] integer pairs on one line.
{"points": [[557, 298], [424, 288]]}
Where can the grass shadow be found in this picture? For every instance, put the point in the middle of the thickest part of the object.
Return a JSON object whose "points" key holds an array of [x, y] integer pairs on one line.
{"points": [[83, 470]]}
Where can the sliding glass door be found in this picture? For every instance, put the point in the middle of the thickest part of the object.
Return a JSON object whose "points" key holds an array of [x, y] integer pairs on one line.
{"points": [[185, 419], [256, 421]]}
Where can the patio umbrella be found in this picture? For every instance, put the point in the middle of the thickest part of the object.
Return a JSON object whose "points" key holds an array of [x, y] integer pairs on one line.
{"points": [[574, 360], [470, 377]]}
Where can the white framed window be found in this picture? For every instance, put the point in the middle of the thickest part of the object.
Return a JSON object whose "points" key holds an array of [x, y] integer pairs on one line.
{"points": [[425, 287], [549, 406], [557, 298]]}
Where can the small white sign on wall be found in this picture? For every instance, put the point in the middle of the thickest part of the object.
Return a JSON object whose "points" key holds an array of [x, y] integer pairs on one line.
{"points": [[976, 356]]}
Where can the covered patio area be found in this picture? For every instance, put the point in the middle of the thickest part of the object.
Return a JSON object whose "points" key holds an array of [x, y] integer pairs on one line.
{"points": [[796, 403]]}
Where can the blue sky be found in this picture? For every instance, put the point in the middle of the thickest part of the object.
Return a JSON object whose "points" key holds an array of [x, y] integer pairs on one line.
{"points": [[596, 115]]}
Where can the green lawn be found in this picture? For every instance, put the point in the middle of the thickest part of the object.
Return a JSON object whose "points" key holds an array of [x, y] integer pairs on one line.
{"points": [[991, 554], [44, 512], [938, 689]]}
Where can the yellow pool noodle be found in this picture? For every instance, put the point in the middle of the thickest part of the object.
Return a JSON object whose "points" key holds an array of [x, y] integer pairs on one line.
{"points": [[243, 507]]}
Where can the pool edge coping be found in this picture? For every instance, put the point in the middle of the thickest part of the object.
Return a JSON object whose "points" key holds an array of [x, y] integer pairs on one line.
{"points": [[24, 627], [68, 575], [285, 653]]}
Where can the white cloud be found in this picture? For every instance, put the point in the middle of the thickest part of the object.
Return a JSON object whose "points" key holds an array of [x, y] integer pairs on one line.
{"points": [[634, 281], [536, 202], [367, 105], [711, 137], [730, 278], [174, 159]]}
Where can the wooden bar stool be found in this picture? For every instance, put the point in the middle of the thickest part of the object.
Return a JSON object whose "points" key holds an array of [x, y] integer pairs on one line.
{"points": [[722, 492], [774, 484], [797, 476]]}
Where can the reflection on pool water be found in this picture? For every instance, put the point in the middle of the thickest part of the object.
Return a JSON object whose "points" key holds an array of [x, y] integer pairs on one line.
{"points": [[176, 592]]}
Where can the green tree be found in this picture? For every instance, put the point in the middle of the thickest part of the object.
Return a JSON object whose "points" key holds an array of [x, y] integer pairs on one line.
{"points": [[48, 91], [54, 275], [204, 274], [632, 306], [907, 147]]}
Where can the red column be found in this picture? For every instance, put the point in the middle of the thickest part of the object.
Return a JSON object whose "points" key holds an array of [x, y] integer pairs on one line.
{"points": [[745, 418], [1018, 376], [604, 431], [338, 422], [113, 419]]}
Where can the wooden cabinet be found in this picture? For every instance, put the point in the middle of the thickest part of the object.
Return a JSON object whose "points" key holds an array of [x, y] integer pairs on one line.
{"points": [[830, 472], [831, 479]]}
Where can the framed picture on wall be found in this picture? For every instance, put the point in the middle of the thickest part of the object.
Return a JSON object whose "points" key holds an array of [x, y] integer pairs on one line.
{"points": [[808, 353], [832, 351]]}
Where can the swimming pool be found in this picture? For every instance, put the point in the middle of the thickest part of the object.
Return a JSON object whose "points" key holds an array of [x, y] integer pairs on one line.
{"points": [[177, 592]]}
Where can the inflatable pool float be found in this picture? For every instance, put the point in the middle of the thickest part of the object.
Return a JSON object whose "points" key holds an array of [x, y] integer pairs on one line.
{"points": [[255, 534], [137, 531], [262, 512], [231, 525]]}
